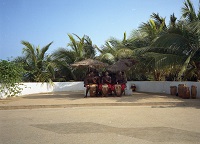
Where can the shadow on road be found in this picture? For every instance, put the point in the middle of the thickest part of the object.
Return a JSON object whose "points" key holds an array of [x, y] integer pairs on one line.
{"points": [[154, 134]]}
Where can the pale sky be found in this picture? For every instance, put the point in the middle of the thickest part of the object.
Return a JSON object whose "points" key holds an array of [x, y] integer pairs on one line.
{"points": [[42, 21]]}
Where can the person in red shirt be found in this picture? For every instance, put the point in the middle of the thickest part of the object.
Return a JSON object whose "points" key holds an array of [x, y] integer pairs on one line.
{"points": [[106, 79]]}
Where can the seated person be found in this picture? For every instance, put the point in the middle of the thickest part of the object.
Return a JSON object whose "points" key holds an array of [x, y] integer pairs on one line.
{"points": [[96, 77], [97, 80], [89, 80], [106, 79], [121, 79]]}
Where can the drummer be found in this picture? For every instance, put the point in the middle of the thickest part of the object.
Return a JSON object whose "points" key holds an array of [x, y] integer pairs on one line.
{"points": [[106, 79], [89, 80], [122, 80]]}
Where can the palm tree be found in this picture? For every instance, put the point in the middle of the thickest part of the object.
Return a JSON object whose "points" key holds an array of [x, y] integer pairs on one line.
{"points": [[184, 40], [80, 48], [154, 27], [142, 40], [115, 49], [83, 48], [62, 58], [138, 39], [89, 48], [37, 64], [173, 46], [77, 47]]}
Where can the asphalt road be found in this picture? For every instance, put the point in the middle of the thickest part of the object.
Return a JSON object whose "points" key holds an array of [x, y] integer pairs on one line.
{"points": [[101, 125]]}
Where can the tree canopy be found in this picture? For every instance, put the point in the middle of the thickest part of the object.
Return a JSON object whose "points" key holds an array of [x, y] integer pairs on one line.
{"points": [[162, 51]]}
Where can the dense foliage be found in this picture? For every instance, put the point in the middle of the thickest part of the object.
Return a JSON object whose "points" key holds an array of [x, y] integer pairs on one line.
{"points": [[10, 77], [162, 51], [38, 65]]}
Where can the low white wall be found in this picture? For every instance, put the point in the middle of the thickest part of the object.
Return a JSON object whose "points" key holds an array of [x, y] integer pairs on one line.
{"points": [[162, 86], [141, 86], [31, 88]]}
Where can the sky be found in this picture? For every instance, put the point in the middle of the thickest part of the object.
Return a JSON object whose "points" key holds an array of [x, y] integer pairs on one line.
{"points": [[43, 21]]}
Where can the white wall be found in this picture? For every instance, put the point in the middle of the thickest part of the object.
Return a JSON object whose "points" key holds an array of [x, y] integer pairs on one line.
{"points": [[31, 88], [162, 86], [141, 86]]}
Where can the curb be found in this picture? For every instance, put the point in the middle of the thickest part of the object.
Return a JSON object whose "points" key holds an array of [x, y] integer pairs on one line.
{"points": [[151, 104]]}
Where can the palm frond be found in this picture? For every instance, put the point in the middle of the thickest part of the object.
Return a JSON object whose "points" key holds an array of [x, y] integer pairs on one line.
{"points": [[30, 53], [88, 40], [108, 46], [100, 50], [107, 57], [44, 50], [29, 49], [157, 17], [195, 27], [37, 49], [72, 42], [192, 72], [115, 43], [77, 36], [188, 11], [63, 55], [152, 24], [160, 61], [124, 38], [77, 46], [137, 34], [184, 67], [173, 42], [124, 53], [141, 50]]}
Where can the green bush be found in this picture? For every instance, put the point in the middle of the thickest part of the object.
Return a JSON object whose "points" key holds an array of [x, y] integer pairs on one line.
{"points": [[10, 77]]}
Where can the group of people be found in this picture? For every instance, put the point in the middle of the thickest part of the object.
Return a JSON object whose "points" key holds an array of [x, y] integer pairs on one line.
{"points": [[109, 79]]}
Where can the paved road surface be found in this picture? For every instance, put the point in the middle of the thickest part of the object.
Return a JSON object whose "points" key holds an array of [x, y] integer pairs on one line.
{"points": [[101, 125]]}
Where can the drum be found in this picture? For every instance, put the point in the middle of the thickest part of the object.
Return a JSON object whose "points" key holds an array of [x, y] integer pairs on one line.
{"points": [[181, 90], [104, 90], [173, 90], [118, 89], [193, 91], [93, 88], [186, 92]]}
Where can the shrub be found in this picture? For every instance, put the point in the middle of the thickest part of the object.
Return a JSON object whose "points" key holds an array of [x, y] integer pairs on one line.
{"points": [[10, 78]]}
